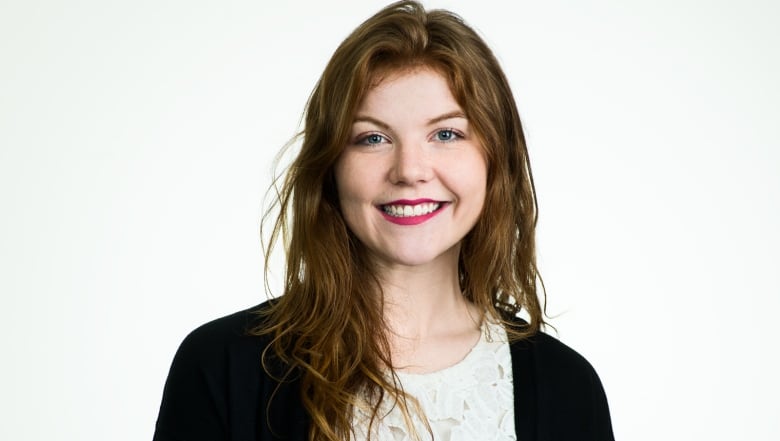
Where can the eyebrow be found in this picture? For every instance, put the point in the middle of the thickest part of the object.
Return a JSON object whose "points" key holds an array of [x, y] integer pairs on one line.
{"points": [[440, 118], [446, 116]]}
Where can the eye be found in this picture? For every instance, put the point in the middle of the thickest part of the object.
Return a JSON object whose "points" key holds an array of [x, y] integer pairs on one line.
{"points": [[446, 135], [372, 139]]}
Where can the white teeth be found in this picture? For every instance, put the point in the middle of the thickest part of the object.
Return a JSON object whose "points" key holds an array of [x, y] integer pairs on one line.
{"points": [[410, 210]]}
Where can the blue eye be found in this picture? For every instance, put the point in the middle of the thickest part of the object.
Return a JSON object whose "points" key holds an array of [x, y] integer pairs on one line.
{"points": [[446, 135], [372, 139]]}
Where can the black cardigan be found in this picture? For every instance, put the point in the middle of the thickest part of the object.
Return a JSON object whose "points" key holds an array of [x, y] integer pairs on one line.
{"points": [[217, 390]]}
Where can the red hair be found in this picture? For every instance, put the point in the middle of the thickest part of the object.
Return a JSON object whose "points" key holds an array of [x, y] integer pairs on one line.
{"points": [[328, 325]]}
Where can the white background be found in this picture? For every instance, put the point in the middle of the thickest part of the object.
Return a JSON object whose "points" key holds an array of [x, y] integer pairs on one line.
{"points": [[136, 144]]}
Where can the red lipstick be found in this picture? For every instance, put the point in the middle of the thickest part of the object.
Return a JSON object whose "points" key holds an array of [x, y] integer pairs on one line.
{"points": [[392, 211]]}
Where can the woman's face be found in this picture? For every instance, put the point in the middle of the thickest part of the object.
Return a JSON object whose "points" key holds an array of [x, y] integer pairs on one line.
{"points": [[411, 181]]}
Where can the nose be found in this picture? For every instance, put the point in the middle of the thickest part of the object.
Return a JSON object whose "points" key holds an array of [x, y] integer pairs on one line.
{"points": [[411, 164]]}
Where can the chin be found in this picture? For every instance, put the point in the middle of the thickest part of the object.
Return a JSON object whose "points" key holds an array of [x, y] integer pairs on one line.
{"points": [[419, 258]]}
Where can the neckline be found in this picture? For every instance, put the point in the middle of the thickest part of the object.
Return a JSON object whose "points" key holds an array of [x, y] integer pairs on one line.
{"points": [[487, 335]]}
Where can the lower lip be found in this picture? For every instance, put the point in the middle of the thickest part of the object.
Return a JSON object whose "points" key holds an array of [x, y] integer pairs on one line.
{"points": [[411, 220]]}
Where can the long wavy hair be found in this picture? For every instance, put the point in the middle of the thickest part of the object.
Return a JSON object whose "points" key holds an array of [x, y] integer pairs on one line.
{"points": [[328, 330]]}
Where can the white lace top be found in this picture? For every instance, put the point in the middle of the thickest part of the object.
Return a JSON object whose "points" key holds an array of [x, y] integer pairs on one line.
{"points": [[469, 401]]}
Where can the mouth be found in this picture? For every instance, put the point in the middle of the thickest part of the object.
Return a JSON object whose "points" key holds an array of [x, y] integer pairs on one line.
{"points": [[410, 210]]}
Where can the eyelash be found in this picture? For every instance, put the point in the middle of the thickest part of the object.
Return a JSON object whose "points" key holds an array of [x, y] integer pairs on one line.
{"points": [[456, 135], [364, 140]]}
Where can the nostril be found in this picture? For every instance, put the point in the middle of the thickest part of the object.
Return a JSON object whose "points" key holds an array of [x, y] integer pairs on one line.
{"points": [[410, 167]]}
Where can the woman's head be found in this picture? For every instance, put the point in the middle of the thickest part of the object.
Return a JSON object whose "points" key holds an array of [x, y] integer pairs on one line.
{"points": [[411, 180], [401, 37]]}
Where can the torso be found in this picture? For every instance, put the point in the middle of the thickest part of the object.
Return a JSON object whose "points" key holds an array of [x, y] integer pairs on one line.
{"points": [[469, 400]]}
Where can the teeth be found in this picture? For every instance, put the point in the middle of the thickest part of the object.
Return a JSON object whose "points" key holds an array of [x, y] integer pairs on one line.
{"points": [[410, 210]]}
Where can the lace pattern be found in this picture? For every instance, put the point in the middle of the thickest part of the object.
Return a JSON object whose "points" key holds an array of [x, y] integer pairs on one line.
{"points": [[469, 401]]}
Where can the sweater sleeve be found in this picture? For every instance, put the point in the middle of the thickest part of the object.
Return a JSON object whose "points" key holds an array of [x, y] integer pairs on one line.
{"points": [[572, 402], [218, 388], [194, 403]]}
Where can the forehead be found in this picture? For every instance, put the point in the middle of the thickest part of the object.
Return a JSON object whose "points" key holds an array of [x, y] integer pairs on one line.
{"points": [[416, 90]]}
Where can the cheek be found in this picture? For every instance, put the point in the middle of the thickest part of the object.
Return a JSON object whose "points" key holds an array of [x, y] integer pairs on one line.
{"points": [[342, 175], [472, 172], [354, 199], [477, 186], [353, 186]]}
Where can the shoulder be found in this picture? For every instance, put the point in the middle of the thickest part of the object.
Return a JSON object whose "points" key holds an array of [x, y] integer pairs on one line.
{"points": [[551, 359], [554, 359], [211, 348], [216, 366], [219, 334], [557, 360], [208, 347], [568, 396]]}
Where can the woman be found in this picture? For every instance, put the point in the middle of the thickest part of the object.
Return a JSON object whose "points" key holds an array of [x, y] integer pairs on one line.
{"points": [[409, 219]]}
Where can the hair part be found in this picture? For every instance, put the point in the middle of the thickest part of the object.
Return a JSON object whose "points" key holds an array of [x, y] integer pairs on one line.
{"points": [[324, 328]]}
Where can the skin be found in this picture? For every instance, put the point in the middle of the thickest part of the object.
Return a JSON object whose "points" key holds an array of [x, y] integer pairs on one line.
{"points": [[411, 141]]}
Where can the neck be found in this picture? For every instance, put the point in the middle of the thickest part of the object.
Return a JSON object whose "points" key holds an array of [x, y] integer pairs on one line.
{"points": [[424, 301]]}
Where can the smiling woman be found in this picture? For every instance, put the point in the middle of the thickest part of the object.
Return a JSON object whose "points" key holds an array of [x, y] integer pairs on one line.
{"points": [[409, 217], [414, 162]]}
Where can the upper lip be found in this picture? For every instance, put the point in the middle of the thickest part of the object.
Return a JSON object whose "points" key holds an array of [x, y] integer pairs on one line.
{"points": [[410, 201]]}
